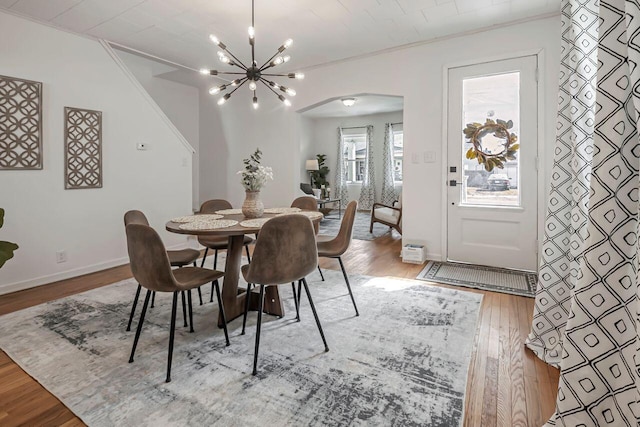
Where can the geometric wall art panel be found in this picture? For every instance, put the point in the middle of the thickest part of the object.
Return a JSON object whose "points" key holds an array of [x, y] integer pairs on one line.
{"points": [[20, 124], [82, 148]]}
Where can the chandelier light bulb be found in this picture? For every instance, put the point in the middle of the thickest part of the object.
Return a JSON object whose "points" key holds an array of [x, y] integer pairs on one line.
{"points": [[290, 92], [223, 99], [214, 90], [286, 58], [255, 103], [252, 85], [235, 82], [214, 39], [204, 71], [275, 85], [225, 59], [252, 33], [288, 43], [279, 60]]}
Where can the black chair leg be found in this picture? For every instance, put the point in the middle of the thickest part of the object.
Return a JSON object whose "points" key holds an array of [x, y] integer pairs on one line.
{"points": [[346, 279], [295, 301], [204, 257], [313, 309], [215, 263], [153, 299], [199, 291], [246, 307], [172, 334], [184, 309], [255, 353], [299, 292], [144, 311], [320, 270], [221, 308], [246, 248], [133, 308], [190, 311]]}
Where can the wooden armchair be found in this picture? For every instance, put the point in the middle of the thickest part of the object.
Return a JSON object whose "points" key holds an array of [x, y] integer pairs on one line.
{"points": [[387, 215]]}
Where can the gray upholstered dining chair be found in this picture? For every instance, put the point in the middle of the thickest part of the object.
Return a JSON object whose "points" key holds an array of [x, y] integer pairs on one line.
{"points": [[335, 246], [217, 243], [151, 268], [285, 252], [178, 258]]}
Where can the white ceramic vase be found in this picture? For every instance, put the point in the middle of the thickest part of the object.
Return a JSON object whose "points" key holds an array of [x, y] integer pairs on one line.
{"points": [[252, 206]]}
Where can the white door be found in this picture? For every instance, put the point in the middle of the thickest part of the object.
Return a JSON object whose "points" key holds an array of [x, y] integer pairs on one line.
{"points": [[492, 216]]}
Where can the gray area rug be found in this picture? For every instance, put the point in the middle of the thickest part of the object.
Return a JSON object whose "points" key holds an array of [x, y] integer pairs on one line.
{"points": [[331, 224], [403, 362], [522, 283]]}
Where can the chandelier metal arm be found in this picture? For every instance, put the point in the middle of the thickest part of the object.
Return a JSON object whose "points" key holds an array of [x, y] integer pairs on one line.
{"points": [[239, 64], [269, 87], [268, 63], [243, 81], [228, 72], [275, 75]]}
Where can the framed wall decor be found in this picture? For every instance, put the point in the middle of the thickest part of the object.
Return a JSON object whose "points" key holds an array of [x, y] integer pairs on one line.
{"points": [[20, 124], [82, 148]]}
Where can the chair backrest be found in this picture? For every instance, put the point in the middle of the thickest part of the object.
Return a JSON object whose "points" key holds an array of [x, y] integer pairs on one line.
{"points": [[306, 203], [343, 239], [149, 261], [135, 217], [306, 188], [211, 206], [285, 251], [399, 203]]}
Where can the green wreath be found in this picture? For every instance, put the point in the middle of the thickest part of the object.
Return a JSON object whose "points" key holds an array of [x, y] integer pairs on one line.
{"points": [[474, 132]]}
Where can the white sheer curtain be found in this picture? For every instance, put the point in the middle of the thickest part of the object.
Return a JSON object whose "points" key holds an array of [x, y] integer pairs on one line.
{"points": [[368, 191], [389, 193], [587, 307], [341, 191]]}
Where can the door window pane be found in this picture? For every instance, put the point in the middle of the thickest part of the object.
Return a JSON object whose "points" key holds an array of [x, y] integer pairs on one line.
{"points": [[495, 97]]}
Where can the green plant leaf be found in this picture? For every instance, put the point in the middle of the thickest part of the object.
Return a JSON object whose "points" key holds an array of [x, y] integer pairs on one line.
{"points": [[509, 124], [6, 251]]}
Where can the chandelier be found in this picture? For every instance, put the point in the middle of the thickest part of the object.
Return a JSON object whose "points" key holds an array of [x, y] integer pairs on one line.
{"points": [[253, 74]]}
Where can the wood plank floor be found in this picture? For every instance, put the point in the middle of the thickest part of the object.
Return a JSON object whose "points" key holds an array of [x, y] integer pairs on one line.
{"points": [[507, 384]]}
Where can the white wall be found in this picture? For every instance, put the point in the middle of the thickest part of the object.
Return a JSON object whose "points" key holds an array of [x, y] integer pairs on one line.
{"points": [[41, 216], [178, 101], [325, 141], [416, 73]]}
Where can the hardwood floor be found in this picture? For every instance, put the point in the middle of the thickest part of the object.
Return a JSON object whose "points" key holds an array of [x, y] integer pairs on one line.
{"points": [[507, 384]]}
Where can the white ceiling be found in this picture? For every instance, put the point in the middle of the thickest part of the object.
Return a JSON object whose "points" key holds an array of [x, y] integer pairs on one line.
{"points": [[322, 30], [365, 104]]}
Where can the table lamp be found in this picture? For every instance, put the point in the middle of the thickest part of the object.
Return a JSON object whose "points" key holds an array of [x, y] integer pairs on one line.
{"points": [[311, 166]]}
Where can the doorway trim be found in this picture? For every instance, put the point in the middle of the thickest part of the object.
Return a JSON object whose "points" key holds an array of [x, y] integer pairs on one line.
{"points": [[540, 164]]}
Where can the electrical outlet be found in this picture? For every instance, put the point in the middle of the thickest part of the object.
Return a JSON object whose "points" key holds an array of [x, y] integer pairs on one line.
{"points": [[61, 256]]}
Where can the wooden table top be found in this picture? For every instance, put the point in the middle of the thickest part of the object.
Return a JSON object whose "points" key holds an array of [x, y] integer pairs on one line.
{"points": [[234, 230]]}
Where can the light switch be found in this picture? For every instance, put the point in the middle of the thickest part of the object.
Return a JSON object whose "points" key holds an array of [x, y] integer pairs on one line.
{"points": [[415, 158]]}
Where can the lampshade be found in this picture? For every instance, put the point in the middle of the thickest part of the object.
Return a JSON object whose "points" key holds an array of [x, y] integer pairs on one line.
{"points": [[312, 165]]}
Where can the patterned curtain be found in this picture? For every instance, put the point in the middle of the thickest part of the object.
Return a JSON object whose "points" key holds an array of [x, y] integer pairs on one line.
{"points": [[368, 191], [341, 191], [567, 214], [389, 193], [600, 360]]}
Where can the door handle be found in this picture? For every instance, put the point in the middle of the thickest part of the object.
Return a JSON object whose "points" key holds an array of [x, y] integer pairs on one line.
{"points": [[453, 183]]}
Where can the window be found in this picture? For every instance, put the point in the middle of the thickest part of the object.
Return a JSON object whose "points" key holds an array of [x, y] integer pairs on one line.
{"points": [[355, 151], [397, 154]]}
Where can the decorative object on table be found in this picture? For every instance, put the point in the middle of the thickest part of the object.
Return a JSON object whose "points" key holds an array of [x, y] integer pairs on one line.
{"points": [[319, 175], [229, 211], [254, 177], [281, 210], [493, 152], [195, 218], [21, 124], [82, 148], [493, 279], [6, 248], [370, 362], [311, 166], [209, 225], [253, 73]]}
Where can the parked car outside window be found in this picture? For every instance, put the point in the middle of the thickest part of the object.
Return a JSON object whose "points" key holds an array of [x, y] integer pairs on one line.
{"points": [[498, 181]]}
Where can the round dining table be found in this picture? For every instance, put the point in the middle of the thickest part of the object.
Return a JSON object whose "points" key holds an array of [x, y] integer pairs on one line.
{"points": [[232, 297]]}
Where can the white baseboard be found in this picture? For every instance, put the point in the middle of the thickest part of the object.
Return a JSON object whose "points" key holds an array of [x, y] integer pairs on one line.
{"points": [[68, 274]]}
